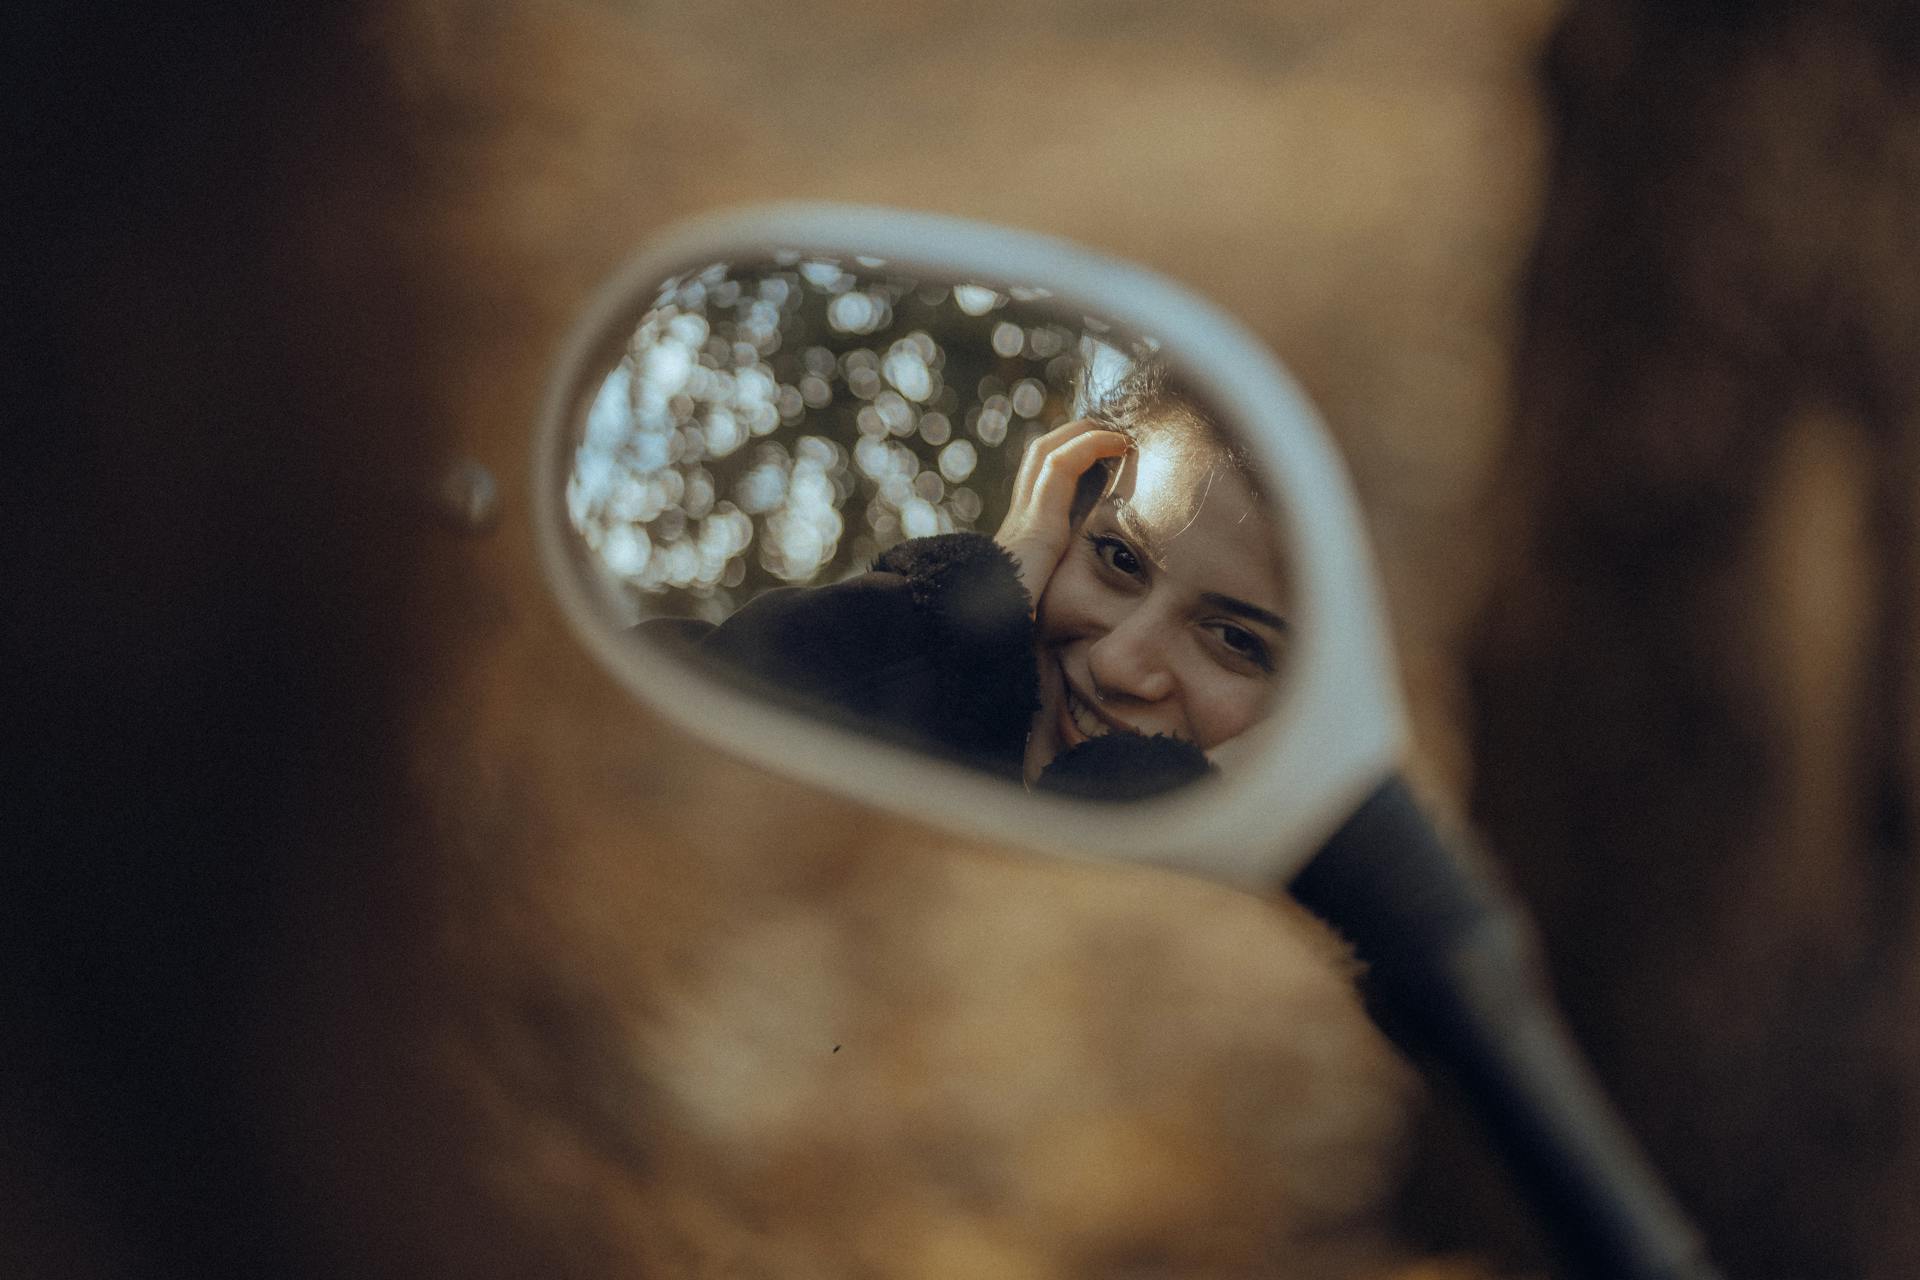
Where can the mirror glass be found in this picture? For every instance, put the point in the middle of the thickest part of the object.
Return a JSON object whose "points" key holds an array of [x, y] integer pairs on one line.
{"points": [[846, 487]]}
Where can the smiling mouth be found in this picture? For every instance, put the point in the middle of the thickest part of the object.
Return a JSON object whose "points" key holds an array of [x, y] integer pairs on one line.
{"points": [[1084, 721]]}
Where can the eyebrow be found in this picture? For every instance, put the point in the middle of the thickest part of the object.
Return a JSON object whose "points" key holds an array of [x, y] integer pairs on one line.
{"points": [[1123, 516], [1241, 609]]}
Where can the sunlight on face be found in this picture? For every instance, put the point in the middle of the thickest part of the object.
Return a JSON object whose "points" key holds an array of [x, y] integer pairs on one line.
{"points": [[1167, 613]]}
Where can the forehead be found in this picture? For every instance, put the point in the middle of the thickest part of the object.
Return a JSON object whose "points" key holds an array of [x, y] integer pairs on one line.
{"points": [[1199, 519]]}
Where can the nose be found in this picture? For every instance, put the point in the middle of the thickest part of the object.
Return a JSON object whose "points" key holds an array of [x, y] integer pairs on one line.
{"points": [[1131, 660]]}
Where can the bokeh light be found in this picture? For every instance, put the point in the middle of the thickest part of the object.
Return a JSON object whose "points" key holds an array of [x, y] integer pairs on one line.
{"points": [[785, 424]]}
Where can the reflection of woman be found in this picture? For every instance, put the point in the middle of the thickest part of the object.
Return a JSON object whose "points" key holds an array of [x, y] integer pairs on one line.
{"points": [[1155, 640]]}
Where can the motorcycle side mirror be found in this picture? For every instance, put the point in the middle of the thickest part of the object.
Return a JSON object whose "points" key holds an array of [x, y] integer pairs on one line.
{"points": [[768, 402], [766, 477]]}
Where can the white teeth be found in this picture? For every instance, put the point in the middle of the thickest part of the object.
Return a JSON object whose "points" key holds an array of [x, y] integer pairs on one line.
{"points": [[1084, 720]]}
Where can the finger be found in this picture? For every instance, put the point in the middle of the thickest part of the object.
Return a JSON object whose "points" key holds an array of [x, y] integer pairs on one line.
{"points": [[1036, 453], [1060, 472]]}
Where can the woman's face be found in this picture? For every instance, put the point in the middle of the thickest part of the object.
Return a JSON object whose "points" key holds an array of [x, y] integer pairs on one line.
{"points": [[1167, 613]]}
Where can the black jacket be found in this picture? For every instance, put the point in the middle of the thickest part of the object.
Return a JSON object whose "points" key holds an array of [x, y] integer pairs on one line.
{"points": [[931, 648]]}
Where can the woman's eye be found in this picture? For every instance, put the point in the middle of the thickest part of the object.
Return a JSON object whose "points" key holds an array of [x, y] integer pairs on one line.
{"points": [[1243, 644], [1116, 555]]}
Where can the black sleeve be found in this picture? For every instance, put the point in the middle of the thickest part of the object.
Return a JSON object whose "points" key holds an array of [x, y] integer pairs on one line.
{"points": [[1124, 766], [933, 646]]}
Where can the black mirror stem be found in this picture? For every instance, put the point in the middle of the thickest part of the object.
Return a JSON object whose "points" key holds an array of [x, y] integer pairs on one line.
{"points": [[1454, 976]]}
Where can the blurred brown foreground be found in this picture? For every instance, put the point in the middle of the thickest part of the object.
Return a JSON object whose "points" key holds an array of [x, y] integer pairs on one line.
{"points": [[359, 926]]}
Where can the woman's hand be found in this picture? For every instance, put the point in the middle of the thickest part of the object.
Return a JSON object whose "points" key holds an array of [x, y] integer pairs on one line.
{"points": [[1039, 522]]}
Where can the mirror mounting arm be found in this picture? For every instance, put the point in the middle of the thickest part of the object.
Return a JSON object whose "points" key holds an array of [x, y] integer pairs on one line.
{"points": [[1454, 975]]}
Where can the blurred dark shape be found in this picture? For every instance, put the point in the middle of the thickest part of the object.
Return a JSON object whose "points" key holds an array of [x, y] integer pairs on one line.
{"points": [[188, 596], [1695, 689]]}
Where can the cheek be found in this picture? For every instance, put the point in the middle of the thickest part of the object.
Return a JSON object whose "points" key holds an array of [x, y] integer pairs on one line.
{"points": [[1068, 607], [1221, 706]]}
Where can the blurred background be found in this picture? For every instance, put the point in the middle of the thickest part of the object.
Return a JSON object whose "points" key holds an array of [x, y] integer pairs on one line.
{"points": [[1613, 306], [772, 425]]}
